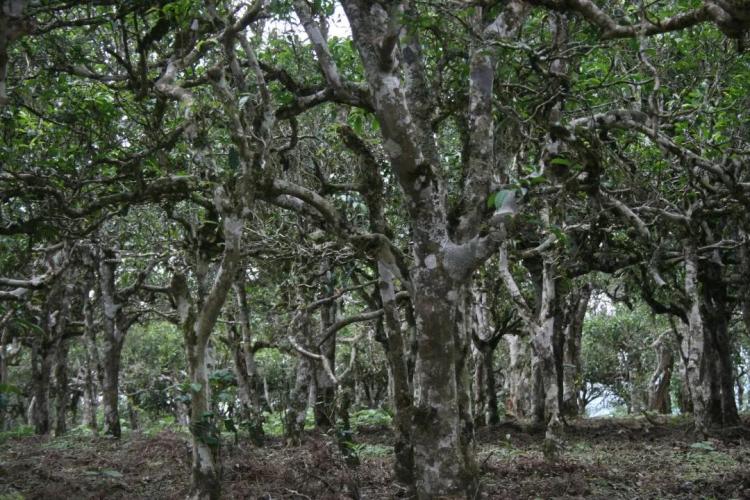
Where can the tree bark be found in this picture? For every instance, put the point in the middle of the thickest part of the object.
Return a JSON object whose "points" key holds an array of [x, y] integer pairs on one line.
{"points": [[402, 396], [62, 392], [694, 346], [659, 399], [115, 324], [517, 389], [717, 313], [91, 364], [401, 98], [111, 351], [325, 389], [245, 368], [197, 320], [577, 308], [443, 452], [41, 367]]}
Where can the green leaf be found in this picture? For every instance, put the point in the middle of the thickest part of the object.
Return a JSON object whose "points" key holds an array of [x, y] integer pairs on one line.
{"points": [[559, 233], [196, 387], [560, 161], [537, 179]]}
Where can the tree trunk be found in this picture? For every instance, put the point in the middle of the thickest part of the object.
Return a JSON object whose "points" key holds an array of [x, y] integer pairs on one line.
{"points": [[684, 397], [197, 320], [4, 340], [111, 388], [479, 334], [717, 311], [443, 448], [695, 346], [114, 329], [296, 410], [91, 363], [493, 416], [398, 370], [572, 351], [62, 393], [545, 390], [480, 389], [518, 392], [245, 368], [325, 388], [659, 399], [637, 399], [206, 472], [41, 366]]}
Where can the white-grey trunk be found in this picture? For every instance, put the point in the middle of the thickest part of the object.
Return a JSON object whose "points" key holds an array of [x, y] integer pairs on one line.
{"points": [[694, 345], [517, 380], [659, 399]]}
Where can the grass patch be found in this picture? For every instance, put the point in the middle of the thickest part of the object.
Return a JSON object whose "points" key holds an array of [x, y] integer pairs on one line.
{"points": [[370, 417], [18, 432], [373, 450]]}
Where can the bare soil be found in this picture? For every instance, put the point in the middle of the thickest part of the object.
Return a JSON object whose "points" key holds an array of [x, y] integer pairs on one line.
{"points": [[606, 459]]}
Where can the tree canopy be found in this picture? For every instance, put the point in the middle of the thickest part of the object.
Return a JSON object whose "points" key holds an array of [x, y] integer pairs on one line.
{"points": [[344, 203]]}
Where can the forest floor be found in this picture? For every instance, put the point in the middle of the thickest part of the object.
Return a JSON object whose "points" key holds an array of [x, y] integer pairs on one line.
{"points": [[603, 458]]}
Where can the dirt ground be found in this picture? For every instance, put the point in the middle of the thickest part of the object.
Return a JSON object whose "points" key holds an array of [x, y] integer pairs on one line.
{"points": [[607, 459]]}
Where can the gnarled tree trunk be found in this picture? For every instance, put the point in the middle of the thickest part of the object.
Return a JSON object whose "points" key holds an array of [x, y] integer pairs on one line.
{"points": [[245, 367], [197, 319], [659, 399]]}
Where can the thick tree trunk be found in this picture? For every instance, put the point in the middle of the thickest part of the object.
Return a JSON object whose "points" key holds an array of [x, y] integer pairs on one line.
{"points": [[296, 410], [62, 392], [41, 367], [659, 399], [206, 472], [441, 432], [463, 382], [694, 347], [111, 387], [545, 388], [443, 447], [718, 311], [723, 369], [113, 336], [517, 387], [545, 407], [302, 393]]}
